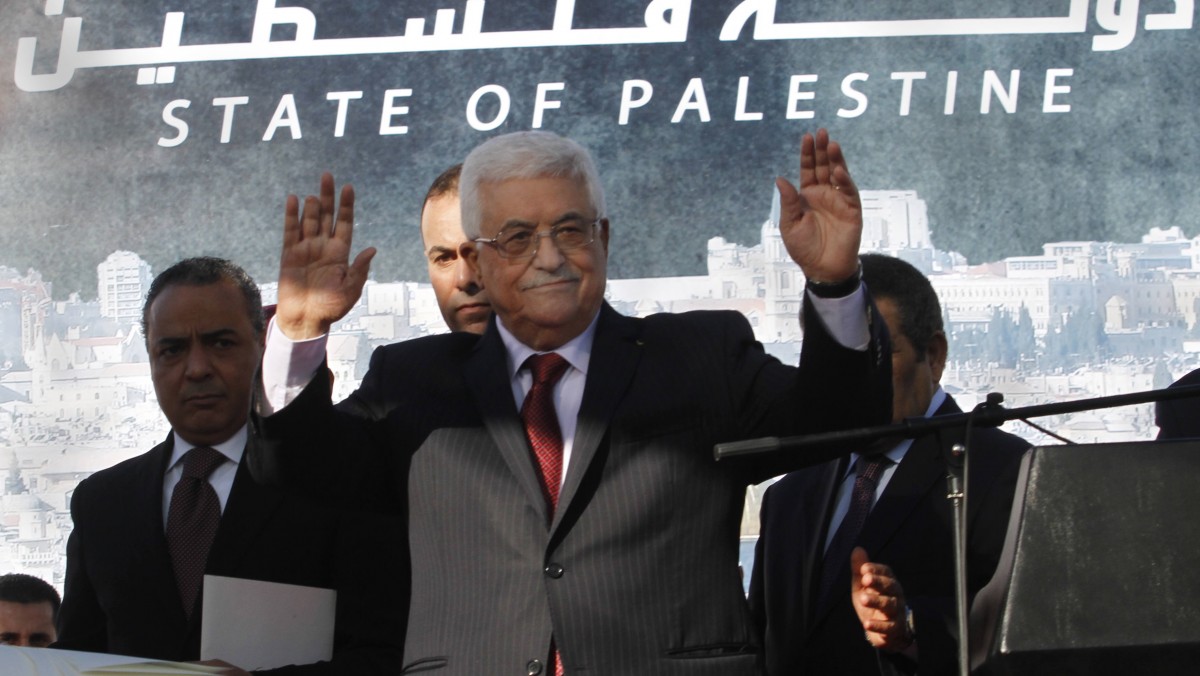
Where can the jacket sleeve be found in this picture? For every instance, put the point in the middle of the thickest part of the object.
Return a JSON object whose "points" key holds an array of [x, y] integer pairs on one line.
{"points": [[835, 388], [81, 621]]}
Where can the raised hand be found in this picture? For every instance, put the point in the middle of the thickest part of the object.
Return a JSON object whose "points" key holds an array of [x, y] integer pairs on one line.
{"points": [[317, 283], [879, 603], [821, 222]]}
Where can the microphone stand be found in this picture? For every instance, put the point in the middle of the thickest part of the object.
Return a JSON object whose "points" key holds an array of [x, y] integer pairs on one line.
{"points": [[915, 427], [958, 463], [990, 413], [957, 495]]}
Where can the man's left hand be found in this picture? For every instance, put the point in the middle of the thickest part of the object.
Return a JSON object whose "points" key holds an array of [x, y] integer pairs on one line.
{"points": [[821, 222]]}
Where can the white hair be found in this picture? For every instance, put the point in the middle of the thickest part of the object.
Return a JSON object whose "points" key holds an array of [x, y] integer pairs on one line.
{"points": [[524, 154]]}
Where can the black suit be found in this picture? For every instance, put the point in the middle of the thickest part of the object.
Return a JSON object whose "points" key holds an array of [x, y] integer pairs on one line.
{"points": [[1179, 418], [121, 597], [636, 573], [909, 529]]}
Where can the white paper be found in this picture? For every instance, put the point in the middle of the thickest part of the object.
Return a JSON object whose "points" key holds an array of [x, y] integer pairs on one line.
{"points": [[263, 625], [16, 661]]}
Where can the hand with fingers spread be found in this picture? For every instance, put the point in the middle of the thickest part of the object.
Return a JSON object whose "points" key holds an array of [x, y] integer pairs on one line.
{"points": [[821, 222], [317, 283], [878, 600]]}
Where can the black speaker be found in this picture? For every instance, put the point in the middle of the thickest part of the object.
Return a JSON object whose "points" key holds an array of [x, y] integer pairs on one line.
{"points": [[1100, 572]]}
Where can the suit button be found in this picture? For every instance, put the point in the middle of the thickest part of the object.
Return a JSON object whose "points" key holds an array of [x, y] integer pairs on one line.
{"points": [[534, 667], [554, 570]]}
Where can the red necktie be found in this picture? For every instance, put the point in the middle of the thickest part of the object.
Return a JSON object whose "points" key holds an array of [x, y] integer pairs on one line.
{"points": [[192, 522], [837, 556], [541, 422], [545, 438]]}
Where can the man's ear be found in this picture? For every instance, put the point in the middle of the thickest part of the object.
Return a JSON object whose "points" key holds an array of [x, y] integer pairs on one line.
{"points": [[604, 235], [936, 355]]}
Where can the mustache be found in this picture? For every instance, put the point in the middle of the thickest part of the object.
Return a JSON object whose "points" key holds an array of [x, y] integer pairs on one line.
{"points": [[543, 278]]}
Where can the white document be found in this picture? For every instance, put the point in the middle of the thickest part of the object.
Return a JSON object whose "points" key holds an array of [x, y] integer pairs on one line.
{"points": [[152, 669], [50, 662], [263, 625]]}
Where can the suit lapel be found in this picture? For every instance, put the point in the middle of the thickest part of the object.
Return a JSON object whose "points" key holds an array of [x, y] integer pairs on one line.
{"points": [[148, 518], [616, 351], [486, 373], [247, 511], [249, 508], [816, 530], [919, 472]]}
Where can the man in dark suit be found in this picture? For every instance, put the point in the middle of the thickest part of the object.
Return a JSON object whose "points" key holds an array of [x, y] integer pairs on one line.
{"points": [[810, 602], [587, 529], [134, 572]]}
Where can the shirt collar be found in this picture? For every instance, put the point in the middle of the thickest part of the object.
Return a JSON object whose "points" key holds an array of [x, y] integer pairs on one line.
{"points": [[577, 351], [896, 453], [936, 401], [232, 448]]}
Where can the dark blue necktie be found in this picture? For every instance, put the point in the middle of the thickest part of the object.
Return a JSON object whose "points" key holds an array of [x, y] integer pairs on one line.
{"points": [[862, 497]]}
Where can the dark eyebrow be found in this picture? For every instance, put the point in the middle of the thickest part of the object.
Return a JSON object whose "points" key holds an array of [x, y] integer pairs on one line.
{"points": [[219, 333], [175, 340], [170, 340], [438, 248]]}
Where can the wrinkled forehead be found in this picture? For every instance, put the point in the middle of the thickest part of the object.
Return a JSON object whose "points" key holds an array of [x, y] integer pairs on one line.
{"points": [[536, 200]]}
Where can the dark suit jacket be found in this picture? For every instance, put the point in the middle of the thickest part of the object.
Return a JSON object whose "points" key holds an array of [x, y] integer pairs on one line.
{"points": [[120, 594], [1179, 418], [636, 573], [909, 529]]}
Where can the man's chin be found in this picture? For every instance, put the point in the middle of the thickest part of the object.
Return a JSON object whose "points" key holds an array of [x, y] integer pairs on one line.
{"points": [[473, 318]]}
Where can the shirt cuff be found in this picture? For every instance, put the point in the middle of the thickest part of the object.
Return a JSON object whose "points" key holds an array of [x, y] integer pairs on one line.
{"points": [[846, 318], [288, 367]]}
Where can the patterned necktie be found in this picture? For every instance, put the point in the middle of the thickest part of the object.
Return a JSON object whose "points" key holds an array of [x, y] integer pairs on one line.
{"points": [[545, 438], [837, 556], [541, 422], [192, 522]]}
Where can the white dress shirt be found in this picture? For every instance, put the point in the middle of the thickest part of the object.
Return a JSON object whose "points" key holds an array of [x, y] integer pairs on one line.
{"points": [[221, 478], [568, 391]]}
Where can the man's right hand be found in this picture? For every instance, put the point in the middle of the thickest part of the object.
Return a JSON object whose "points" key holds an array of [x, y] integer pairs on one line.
{"points": [[317, 284], [878, 600]]}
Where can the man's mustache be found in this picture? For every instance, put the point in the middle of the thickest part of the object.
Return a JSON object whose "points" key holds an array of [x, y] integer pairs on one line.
{"points": [[543, 278]]}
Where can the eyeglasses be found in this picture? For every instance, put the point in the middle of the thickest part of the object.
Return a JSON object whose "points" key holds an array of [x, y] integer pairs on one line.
{"points": [[522, 241]]}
